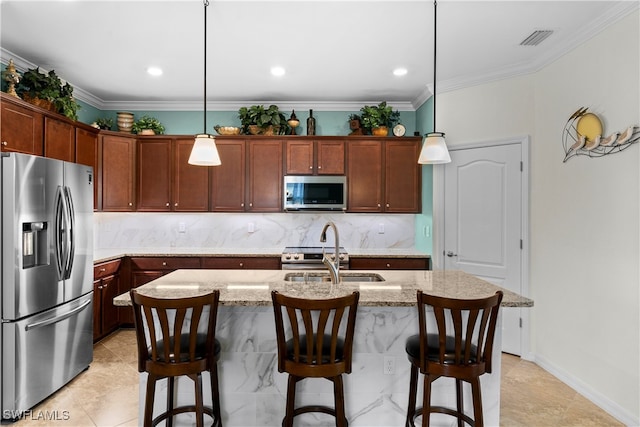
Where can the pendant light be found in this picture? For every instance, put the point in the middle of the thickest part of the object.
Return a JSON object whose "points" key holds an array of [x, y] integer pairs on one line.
{"points": [[204, 151], [434, 149]]}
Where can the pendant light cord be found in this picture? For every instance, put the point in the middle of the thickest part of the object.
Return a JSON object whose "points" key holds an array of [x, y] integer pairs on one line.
{"points": [[204, 109], [435, 44]]}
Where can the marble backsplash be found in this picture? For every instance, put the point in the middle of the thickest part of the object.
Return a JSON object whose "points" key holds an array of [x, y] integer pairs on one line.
{"points": [[246, 230]]}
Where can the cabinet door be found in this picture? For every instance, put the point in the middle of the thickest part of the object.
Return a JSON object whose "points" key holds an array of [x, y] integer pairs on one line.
{"points": [[364, 176], [388, 263], [21, 129], [257, 263], [109, 311], [228, 179], [190, 183], [265, 176], [117, 173], [87, 154], [154, 175], [299, 156], [97, 310], [59, 140], [403, 177], [330, 158]]}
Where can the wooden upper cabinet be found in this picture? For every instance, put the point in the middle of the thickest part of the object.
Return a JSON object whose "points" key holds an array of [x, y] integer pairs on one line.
{"points": [[228, 180], [264, 171], [59, 140], [403, 176], [154, 175], [21, 129], [330, 157], [364, 177], [299, 157], [117, 172], [87, 154], [315, 157], [190, 183]]}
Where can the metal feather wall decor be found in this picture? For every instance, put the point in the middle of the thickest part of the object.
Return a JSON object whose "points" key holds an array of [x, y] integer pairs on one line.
{"points": [[583, 136]]}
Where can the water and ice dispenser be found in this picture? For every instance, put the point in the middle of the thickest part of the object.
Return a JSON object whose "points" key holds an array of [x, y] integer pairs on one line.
{"points": [[35, 243]]}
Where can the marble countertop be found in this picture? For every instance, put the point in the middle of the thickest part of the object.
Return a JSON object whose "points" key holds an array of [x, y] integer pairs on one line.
{"points": [[253, 287], [103, 255]]}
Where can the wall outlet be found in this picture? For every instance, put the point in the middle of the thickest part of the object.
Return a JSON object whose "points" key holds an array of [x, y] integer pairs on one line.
{"points": [[389, 365], [251, 227], [381, 228], [182, 228]]}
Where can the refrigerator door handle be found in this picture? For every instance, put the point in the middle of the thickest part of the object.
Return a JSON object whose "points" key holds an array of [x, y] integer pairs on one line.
{"points": [[59, 233], [71, 223], [57, 318]]}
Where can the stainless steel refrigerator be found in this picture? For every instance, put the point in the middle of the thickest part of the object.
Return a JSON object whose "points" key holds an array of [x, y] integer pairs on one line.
{"points": [[46, 263]]}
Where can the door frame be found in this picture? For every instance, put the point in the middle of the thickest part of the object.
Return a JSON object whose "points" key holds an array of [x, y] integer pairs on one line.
{"points": [[439, 222]]}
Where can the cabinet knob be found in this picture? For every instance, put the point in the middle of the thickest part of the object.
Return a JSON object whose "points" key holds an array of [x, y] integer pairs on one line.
{"points": [[311, 167], [242, 205], [167, 204], [241, 264], [378, 204], [164, 264], [388, 265], [5, 143], [130, 204], [175, 204], [99, 287], [102, 270], [105, 286], [387, 204], [250, 205], [319, 167]]}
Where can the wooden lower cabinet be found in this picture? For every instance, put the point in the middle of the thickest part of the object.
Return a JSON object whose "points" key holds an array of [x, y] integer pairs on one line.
{"points": [[363, 263], [105, 288], [256, 263]]}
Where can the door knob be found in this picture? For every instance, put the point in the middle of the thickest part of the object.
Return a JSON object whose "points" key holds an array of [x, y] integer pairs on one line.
{"points": [[451, 254]]}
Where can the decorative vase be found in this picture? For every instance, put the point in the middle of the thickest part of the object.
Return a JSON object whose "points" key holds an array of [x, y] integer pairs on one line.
{"points": [[125, 121], [380, 131], [311, 124]]}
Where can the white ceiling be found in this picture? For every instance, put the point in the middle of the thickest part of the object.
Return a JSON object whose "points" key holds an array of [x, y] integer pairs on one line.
{"points": [[336, 53]]}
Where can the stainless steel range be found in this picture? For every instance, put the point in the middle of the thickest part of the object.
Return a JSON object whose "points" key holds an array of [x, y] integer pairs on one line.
{"points": [[310, 257]]}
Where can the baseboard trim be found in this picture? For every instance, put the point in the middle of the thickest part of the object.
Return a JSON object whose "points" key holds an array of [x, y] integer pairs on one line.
{"points": [[606, 404]]}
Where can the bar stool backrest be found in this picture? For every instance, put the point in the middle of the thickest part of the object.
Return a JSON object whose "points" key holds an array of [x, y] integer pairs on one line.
{"points": [[461, 342], [315, 337]]}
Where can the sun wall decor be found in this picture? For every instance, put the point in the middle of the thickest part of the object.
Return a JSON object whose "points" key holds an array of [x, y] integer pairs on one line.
{"points": [[584, 135]]}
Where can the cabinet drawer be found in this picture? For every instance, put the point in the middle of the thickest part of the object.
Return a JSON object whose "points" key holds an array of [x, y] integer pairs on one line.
{"points": [[164, 263], [105, 269], [389, 263], [260, 263]]}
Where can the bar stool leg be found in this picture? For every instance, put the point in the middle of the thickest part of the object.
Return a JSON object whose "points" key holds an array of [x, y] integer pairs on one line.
{"points": [[170, 399], [197, 380], [459, 401], [426, 401], [148, 404], [215, 395], [291, 397], [338, 396], [413, 391], [477, 402]]}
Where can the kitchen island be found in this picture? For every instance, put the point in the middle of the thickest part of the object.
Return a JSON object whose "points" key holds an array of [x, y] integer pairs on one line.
{"points": [[253, 391]]}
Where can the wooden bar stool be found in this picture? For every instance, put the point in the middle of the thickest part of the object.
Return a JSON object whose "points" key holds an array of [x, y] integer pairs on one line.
{"points": [[460, 347], [177, 337], [312, 344]]}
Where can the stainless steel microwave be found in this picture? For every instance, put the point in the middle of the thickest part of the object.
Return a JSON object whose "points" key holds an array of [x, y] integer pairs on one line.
{"points": [[315, 193]]}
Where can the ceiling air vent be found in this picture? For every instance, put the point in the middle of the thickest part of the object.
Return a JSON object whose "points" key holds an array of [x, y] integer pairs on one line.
{"points": [[536, 38]]}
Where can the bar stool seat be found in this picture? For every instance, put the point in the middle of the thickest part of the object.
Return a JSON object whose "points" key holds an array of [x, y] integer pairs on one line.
{"points": [[460, 347], [158, 321], [314, 342]]}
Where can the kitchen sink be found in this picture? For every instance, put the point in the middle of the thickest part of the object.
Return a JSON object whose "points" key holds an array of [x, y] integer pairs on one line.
{"points": [[324, 277]]}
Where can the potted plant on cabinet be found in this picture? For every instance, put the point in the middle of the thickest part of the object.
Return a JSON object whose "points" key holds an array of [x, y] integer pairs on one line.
{"points": [[378, 119], [104, 123], [47, 91], [148, 125], [258, 120]]}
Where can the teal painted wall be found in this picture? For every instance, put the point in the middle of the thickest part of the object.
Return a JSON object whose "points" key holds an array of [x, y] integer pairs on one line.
{"points": [[424, 221], [192, 122]]}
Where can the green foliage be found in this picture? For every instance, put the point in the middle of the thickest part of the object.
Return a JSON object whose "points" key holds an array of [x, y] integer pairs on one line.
{"points": [[380, 115], [49, 87], [148, 122], [105, 123], [262, 117]]}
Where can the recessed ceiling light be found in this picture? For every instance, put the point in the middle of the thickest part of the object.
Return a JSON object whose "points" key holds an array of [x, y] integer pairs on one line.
{"points": [[399, 71], [277, 71], [154, 71]]}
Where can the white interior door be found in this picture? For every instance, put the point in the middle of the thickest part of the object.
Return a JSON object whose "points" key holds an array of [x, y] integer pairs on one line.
{"points": [[483, 223]]}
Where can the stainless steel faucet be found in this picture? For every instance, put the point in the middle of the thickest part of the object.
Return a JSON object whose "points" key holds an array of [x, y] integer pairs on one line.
{"points": [[333, 266]]}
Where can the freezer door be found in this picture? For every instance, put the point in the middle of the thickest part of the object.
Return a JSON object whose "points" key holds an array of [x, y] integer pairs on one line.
{"points": [[78, 195], [42, 353], [31, 190]]}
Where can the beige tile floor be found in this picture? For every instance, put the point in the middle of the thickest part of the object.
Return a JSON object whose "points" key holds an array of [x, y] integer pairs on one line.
{"points": [[107, 394]]}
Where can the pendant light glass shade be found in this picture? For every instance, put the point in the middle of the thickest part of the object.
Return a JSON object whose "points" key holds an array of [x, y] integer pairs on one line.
{"points": [[204, 151], [434, 150]]}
